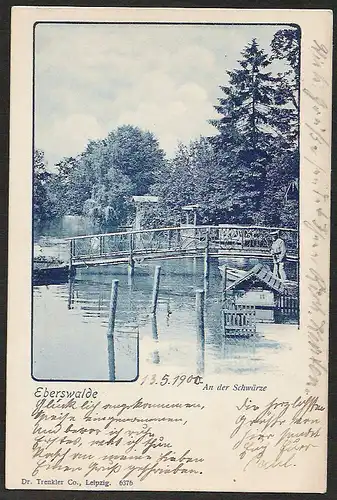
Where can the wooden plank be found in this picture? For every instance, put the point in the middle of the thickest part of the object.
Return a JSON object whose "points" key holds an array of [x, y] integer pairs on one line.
{"points": [[239, 320], [263, 273]]}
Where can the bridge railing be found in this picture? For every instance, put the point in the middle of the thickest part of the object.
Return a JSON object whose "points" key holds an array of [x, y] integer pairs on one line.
{"points": [[255, 238], [180, 239]]}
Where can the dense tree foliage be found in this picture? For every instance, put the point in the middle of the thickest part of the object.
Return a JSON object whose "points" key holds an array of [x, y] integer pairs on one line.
{"points": [[257, 134], [42, 205], [100, 182], [285, 47], [242, 174], [193, 176]]}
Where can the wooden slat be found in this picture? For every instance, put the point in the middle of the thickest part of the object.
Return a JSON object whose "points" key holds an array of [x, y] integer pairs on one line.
{"points": [[239, 320]]}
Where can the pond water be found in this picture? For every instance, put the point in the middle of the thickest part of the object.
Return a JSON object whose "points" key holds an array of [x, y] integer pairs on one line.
{"points": [[70, 324]]}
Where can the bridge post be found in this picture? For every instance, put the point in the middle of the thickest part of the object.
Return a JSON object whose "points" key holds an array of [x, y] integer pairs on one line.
{"points": [[131, 267], [199, 308], [71, 290], [71, 247], [169, 238], [155, 353], [155, 289], [101, 245], [113, 306], [111, 329], [111, 359], [224, 283], [131, 263], [206, 256]]}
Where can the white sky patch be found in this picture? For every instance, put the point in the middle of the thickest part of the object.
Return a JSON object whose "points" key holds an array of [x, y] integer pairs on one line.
{"points": [[89, 79], [72, 133]]}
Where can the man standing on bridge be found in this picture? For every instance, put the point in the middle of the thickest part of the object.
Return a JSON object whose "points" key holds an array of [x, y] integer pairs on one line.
{"points": [[278, 251]]}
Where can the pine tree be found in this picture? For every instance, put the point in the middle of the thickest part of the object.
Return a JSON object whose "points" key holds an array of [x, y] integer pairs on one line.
{"points": [[255, 122], [249, 99]]}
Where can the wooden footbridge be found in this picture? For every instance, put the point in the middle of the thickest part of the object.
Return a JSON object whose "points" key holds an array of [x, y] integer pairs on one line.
{"points": [[176, 242]]}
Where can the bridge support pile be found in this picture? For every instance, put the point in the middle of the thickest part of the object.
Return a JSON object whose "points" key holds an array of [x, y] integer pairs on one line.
{"points": [[199, 307], [111, 330]]}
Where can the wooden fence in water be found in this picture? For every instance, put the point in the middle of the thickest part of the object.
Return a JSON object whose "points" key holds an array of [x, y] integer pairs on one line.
{"points": [[238, 320]]}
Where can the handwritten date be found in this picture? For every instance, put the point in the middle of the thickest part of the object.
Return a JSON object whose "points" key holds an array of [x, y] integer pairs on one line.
{"points": [[176, 381]]}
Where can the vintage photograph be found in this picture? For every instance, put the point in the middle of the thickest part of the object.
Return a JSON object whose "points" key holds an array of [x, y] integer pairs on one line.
{"points": [[169, 242], [165, 199]]}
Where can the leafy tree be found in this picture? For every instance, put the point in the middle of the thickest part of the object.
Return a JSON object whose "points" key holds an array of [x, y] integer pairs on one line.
{"points": [[193, 176], [128, 158], [41, 177], [110, 202], [211, 186], [64, 188], [285, 47], [135, 153], [276, 208], [101, 181], [173, 184]]}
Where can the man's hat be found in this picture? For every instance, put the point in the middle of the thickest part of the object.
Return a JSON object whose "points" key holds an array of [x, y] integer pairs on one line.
{"points": [[275, 232]]}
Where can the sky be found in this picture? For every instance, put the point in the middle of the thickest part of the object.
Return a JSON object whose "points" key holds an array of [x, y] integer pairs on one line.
{"points": [[90, 79]]}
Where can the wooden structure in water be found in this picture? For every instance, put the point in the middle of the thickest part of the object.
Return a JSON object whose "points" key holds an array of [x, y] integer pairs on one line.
{"points": [[273, 300], [258, 275], [286, 307], [238, 320]]}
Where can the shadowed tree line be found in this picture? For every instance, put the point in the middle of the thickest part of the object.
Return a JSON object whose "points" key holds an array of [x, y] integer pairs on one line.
{"points": [[247, 173]]}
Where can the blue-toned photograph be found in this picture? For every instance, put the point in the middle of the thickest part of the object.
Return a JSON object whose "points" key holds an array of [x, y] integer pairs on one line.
{"points": [[165, 199]]}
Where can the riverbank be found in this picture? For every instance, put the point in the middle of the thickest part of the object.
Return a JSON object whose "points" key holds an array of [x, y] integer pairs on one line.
{"points": [[51, 248], [50, 261]]}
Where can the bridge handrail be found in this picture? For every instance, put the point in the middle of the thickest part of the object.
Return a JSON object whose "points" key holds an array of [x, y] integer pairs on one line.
{"points": [[158, 229]]}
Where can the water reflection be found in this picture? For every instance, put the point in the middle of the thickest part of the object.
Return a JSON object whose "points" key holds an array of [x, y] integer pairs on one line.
{"points": [[168, 312], [155, 354], [70, 325], [111, 358], [200, 354], [71, 292]]}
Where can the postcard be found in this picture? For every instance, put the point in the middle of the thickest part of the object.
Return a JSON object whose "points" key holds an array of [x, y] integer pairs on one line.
{"points": [[169, 232]]}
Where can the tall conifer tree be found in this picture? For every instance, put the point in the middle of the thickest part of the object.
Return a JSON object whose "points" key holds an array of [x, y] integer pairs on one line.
{"points": [[255, 122]]}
